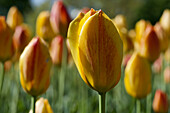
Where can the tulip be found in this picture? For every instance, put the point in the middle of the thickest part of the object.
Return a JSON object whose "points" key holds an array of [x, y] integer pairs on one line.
{"points": [[167, 75], [160, 102], [6, 44], [59, 18], [150, 45], [43, 26], [35, 63], [42, 106], [120, 21], [165, 21], [97, 50], [56, 50], [163, 38], [21, 37], [14, 17], [138, 76]]}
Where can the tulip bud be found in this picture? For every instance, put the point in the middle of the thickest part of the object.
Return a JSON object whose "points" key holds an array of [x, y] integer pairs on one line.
{"points": [[6, 44], [42, 106], [35, 63], [60, 18], [165, 21], [56, 50], [163, 38], [167, 75], [97, 49], [14, 17], [160, 102], [21, 37], [138, 76], [150, 46], [43, 26]]}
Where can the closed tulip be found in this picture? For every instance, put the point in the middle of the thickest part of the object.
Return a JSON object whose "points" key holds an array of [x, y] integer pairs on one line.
{"points": [[21, 37], [14, 17], [165, 21], [43, 26], [160, 102], [163, 38], [42, 106], [35, 63], [6, 44], [138, 76], [56, 50], [150, 45], [97, 49], [60, 18]]}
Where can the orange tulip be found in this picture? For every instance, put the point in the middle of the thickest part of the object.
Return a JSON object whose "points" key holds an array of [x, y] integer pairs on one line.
{"points": [[138, 76], [160, 102], [6, 44], [35, 63], [150, 45], [56, 50], [42, 106], [14, 17], [59, 18], [167, 75]]}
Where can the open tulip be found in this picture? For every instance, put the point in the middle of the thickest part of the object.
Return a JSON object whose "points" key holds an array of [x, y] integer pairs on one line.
{"points": [[56, 50], [96, 48], [160, 102], [35, 63], [14, 17], [43, 26], [60, 18], [150, 45], [42, 106], [138, 76], [165, 21], [6, 44]]}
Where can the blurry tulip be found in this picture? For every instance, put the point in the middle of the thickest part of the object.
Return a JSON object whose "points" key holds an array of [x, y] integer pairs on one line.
{"points": [[35, 64], [140, 28], [97, 49], [157, 65], [165, 21], [21, 37], [85, 10], [6, 44], [150, 46], [132, 34], [126, 58], [160, 102], [138, 76], [43, 26], [14, 17], [120, 21], [42, 106], [167, 75], [60, 18], [56, 50], [163, 38]]}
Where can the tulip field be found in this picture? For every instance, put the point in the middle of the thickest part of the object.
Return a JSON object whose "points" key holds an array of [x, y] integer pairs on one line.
{"points": [[88, 64]]}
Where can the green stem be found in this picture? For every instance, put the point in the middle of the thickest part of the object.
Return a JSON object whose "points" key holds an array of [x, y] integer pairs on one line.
{"points": [[33, 103], [102, 102], [138, 106], [2, 78]]}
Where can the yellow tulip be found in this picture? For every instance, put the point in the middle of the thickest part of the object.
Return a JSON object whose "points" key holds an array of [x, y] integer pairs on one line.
{"points": [[43, 26], [150, 45], [138, 76], [35, 63], [42, 106], [6, 44], [14, 17], [163, 38], [165, 21], [97, 49], [160, 102]]}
